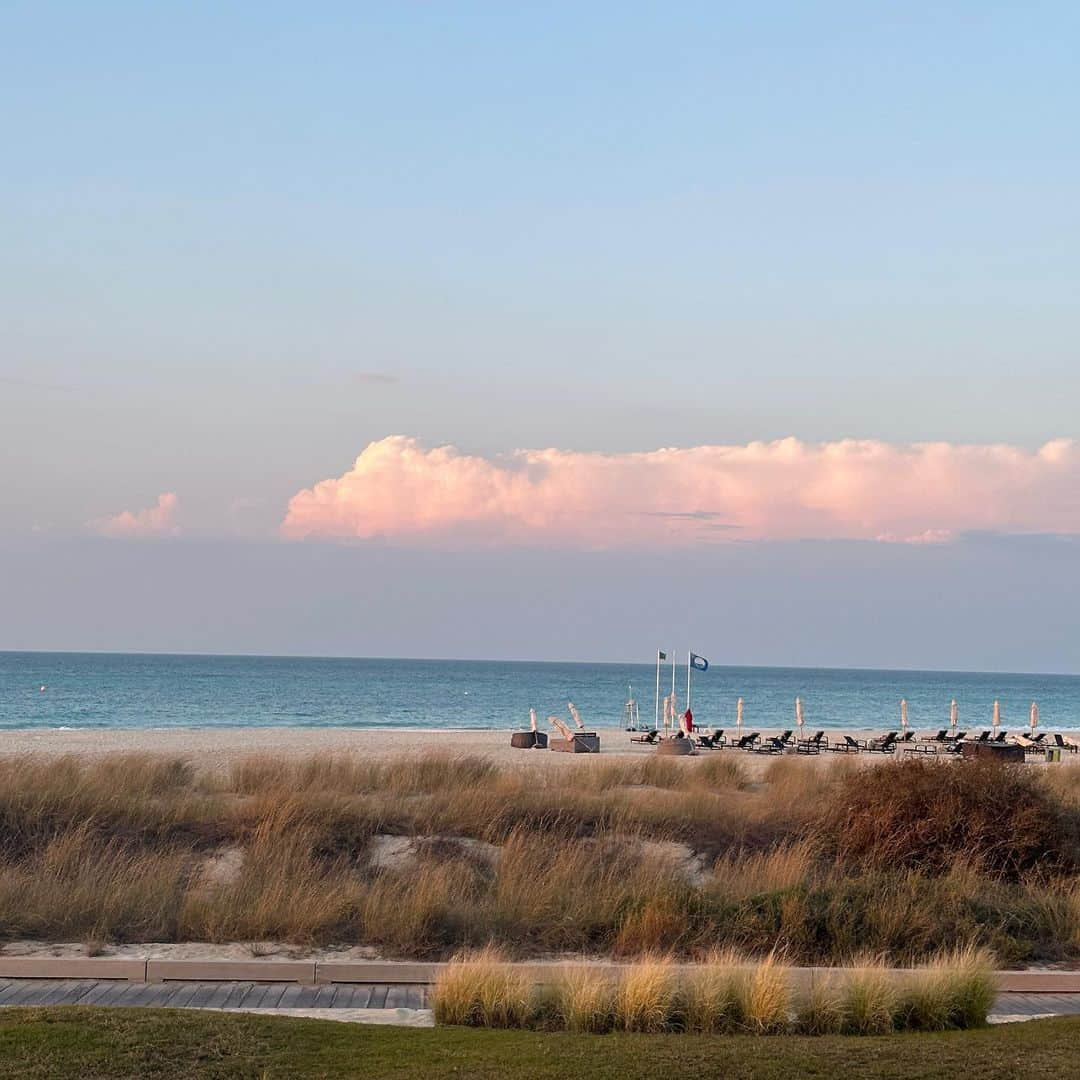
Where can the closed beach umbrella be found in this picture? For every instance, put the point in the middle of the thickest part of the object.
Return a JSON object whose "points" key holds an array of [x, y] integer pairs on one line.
{"points": [[738, 714], [903, 713], [954, 715], [1033, 718], [798, 714], [532, 719], [995, 723]]}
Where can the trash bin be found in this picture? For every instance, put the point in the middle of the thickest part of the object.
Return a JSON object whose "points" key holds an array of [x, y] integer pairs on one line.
{"points": [[1053, 753]]}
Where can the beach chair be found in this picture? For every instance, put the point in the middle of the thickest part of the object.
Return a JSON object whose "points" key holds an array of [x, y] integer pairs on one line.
{"points": [[774, 744], [983, 736], [747, 741], [1022, 739], [1032, 744], [886, 744], [1000, 737], [953, 745], [814, 745], [848, 746], [1064, 744], [715, 741], [648, 737]]}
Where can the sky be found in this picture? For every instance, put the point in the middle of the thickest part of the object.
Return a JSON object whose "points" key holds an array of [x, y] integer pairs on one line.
{"points": [[550, 331]]}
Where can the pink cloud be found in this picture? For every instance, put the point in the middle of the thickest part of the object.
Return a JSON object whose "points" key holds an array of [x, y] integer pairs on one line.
{"points": [[787, 489], [157, 520]]}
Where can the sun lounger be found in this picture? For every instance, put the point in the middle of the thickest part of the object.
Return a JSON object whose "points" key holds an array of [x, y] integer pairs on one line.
{"points": [[715, 741], [954, 745], [886, 744], [814, 745], [848, 746], [1064, 744], [983, 736], [747, 741], [773, 744], [647, 737], [1029, 745]]}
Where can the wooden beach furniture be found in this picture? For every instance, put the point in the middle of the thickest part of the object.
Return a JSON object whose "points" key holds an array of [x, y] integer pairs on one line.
{"points": [[885, 744], [677, 745], [774, 744], [649, 737], [850, 745], [529, 740], [814, 745], [715, 741]]}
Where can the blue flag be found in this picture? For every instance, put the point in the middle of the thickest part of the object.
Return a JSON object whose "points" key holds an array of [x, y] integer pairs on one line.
{"points": [[698, 663]]}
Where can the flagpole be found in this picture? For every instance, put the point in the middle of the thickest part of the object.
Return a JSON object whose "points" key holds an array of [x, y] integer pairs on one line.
{"points": [[656, 713], [674, 665]]}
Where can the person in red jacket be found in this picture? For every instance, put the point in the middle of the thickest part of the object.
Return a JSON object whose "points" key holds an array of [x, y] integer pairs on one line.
{"points": [[688, 722]]}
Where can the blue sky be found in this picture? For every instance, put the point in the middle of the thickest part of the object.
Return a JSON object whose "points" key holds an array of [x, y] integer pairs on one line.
{"points": [[242, 242]]}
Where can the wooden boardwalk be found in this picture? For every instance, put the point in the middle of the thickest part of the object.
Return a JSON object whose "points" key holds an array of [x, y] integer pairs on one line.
{"points": [[211, 995], [283, 995]]}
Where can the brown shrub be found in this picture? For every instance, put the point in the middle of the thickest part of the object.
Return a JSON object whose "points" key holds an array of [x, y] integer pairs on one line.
{"points": [[928, 816]]}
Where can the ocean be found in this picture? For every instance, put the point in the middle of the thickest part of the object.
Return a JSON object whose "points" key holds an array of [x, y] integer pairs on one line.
{"points": [[129, 690]]}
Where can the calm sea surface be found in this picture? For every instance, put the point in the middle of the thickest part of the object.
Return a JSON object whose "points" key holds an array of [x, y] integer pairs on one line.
{"points": [[136, 691]]}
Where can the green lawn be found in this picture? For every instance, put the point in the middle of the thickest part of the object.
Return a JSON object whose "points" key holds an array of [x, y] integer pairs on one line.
{"points": [[86, 1043]]}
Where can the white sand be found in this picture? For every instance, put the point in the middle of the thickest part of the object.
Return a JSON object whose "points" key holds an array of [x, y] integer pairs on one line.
{"points": [[214, 746]]}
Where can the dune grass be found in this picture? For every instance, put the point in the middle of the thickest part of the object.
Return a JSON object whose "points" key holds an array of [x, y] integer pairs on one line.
{"points": [[625, 858], [727, 994]]}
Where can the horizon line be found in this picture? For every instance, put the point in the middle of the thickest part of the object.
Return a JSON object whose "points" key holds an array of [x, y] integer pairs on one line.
{"points": [[487, 660]]}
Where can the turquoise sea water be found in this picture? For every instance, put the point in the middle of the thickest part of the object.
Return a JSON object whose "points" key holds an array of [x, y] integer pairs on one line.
{"points": [[139, 691]]}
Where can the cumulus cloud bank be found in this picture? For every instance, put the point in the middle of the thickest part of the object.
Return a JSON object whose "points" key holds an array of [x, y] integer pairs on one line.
{"points": [[157, 520], [852, 489]]}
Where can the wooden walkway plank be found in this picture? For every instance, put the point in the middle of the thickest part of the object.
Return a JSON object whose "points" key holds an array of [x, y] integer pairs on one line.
{"points": [[359, 997], [185, 992], [30, 992], [291, 995]]}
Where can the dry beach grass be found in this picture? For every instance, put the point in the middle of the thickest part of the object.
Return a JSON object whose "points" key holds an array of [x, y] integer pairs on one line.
{"points": [[421, 856], [725, 994]]}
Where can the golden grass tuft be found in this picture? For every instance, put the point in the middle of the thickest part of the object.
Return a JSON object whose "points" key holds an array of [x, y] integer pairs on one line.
{"points": [[646, 997], [582, 999], [711, 1002], [956, 989], [820, 1009], [479, 989], [871, 998], [764, 997]]}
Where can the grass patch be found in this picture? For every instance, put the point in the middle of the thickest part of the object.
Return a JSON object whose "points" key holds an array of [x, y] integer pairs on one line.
{"points": [[93, 1044]]}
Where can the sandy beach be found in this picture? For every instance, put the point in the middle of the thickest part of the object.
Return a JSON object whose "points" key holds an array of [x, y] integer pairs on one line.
{"points": [[210, 747]]}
